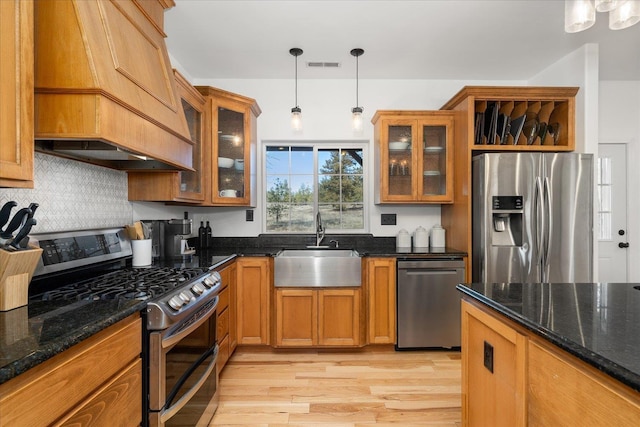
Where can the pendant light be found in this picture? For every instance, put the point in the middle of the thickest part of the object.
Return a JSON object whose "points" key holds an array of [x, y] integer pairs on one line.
{"points": [[626, 14], [296, 112], [578, 15], [356, 112], [581, 14]]}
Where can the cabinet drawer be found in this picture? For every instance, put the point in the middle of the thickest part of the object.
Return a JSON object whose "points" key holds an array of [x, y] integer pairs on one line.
{"points": [[223, 354], [46, 392], [223, 303], [222, 326], [117, 403]]}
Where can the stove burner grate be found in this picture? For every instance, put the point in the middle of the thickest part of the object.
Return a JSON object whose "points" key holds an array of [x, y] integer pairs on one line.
{"points": [[127, 284]]}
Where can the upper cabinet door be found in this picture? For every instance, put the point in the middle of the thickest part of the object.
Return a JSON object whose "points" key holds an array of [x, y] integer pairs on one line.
{"points": [[185, 186], [16, 93], [191, 183], [231, 156], [435, 160], [414, 156]]}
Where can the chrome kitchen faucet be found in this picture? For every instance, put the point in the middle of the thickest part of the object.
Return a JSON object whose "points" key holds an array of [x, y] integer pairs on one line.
{"points": [[319, 229]]}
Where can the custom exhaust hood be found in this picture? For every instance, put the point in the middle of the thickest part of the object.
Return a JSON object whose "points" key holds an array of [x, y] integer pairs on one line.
{"points": [[104, 88]]}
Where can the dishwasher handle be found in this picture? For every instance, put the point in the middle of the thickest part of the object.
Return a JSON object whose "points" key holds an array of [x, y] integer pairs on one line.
{"points": [[430, 264], [429, 271]]}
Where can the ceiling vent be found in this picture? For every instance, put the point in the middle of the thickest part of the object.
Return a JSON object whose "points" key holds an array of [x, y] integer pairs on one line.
{"points": [[323, 64]]}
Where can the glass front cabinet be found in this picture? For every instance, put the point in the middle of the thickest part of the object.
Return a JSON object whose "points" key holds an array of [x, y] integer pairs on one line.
{"points": [[414, 159], [180, 187], [232, 157]]}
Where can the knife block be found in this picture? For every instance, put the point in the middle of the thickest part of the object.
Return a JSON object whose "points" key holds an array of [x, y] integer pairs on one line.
{"points": [[16, 271]]}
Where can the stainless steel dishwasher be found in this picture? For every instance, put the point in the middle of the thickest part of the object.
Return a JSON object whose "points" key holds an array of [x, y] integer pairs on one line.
{"points": [[428, 311]]}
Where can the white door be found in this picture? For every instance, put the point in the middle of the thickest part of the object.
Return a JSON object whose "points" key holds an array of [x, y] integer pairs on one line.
{"points": [[611, 175]]}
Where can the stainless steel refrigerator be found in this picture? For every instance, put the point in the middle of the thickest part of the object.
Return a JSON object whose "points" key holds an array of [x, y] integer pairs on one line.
{"points": [[532, 217]]}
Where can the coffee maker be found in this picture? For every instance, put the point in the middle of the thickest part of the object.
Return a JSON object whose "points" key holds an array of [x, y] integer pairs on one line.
{"points": [[169, 238]]}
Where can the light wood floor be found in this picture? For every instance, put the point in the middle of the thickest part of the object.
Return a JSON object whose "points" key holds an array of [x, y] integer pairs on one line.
{"points": [[340, 389]]}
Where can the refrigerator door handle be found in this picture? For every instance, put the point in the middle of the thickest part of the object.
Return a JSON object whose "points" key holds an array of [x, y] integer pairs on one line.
{"points": [[538, 220], [548, 226]]}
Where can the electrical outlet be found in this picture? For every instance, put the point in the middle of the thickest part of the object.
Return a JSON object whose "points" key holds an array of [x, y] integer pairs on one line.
{"points": [[388, 219], [249, 215], [488, 356]]}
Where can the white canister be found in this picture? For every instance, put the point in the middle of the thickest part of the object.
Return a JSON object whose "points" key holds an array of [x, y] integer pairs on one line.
{"points": [[403, 239], [437, 237], [421, 238]]}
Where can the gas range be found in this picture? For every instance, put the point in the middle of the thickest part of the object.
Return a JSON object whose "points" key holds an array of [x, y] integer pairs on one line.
{"points": [[171, 293]]}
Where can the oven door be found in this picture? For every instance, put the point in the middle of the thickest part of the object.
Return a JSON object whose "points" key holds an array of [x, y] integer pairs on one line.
{"points": [[183, 380]]}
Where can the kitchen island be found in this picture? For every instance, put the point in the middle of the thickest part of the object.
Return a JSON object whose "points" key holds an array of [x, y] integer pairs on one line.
{"points": [[551, 354]]}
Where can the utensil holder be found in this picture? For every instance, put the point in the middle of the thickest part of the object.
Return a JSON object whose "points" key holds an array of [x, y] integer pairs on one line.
{"points": [[16, 271]]}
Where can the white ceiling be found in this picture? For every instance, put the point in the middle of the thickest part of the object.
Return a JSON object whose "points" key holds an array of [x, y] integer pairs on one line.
{"points": [[420, 39]]}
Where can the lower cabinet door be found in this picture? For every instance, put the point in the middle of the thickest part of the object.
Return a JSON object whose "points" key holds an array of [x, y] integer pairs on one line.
{"points": [[296, 317], [493, 377], [339, 317]]}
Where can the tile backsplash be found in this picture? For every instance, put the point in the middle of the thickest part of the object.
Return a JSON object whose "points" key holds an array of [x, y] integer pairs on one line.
{"points": [[73, 195]]}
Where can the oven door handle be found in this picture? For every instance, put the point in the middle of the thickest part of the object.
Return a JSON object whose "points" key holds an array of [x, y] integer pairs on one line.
{"points": [[174, 336], [169, 412]]}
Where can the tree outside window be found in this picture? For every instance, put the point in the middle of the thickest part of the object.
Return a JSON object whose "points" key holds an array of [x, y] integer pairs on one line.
{"points": [[302, 180]]}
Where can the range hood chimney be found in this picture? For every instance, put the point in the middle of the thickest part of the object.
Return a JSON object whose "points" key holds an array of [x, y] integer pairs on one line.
{"points": [[104, 87]]}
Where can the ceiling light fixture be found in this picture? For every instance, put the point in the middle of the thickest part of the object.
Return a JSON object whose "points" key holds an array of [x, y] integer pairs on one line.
{"points": [[356, 112], [581, 14], [296, 112]]}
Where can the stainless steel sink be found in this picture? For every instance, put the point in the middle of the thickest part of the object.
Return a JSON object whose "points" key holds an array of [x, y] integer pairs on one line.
{"points": [[327, 268]]}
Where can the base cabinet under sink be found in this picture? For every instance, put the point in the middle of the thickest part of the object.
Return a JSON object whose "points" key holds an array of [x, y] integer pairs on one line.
{"points": [[319, 317]]}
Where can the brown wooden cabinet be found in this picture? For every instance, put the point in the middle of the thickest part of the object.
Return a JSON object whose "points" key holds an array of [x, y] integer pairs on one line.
{"points": [[230, 157], [414, 156], [226, 321], [296, 317], [380, 278], [174, 186], [16, 93], [493, 371], [513, 377], [318, 317], [566, 391], [254, 300], [545, 104], [96, 382]]}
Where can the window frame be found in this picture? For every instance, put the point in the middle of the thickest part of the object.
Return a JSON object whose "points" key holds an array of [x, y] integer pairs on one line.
{"points": [[362, 145]]}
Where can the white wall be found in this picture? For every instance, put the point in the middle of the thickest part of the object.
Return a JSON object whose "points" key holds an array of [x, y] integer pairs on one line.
{"points": [[326, 110], [580, 68], [619, 113]]}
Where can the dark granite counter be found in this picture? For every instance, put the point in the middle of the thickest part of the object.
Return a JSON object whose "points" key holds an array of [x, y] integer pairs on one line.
{"points": [[32, 334], [596, 322]]}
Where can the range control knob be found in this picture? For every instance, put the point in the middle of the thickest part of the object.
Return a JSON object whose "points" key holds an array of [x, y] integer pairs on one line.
{"points": [[176, 302], [208, 282], [185, 296], [198, 289]]}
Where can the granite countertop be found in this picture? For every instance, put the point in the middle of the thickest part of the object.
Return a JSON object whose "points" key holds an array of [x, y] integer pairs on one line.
{"points": [[596, 322], [31, 334]]}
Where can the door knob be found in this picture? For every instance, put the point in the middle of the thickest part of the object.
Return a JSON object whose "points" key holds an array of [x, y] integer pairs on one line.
{"points": [[623, 245]]}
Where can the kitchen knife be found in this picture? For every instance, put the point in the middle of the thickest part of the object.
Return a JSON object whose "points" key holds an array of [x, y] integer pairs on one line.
{"points": [[22, 233], [5, 212], [18, 219]]}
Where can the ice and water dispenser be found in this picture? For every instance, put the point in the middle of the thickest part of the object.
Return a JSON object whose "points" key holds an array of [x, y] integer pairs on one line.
{"points": [[507, 222]]}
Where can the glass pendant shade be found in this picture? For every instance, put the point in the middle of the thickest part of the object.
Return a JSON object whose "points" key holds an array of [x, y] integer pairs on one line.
{"points": [[606, 5], [296, 112], [578, 15], [356, 119], [625, 15], [296, 119]]}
